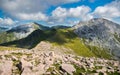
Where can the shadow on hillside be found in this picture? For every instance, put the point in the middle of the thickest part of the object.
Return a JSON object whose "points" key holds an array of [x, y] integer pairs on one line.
{"points": [[29, 42], [62, 37], [53, 36]]}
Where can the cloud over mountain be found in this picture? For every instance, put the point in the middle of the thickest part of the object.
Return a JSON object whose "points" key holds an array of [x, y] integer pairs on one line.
{"points": [[6, 21], [111, 10], [15, 7], [54, 11], [61, 14]]}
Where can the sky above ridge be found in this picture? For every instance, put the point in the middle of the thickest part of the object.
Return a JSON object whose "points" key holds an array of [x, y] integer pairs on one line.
{"points": [[57, 12]]}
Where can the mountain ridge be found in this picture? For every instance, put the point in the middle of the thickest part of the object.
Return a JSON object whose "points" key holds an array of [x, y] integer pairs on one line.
{"points": [[88, 37], [101, 33], [20, 32]]}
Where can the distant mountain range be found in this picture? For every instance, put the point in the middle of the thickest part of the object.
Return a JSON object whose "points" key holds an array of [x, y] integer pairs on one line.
{"points": [[19, 32], [2, 29], [97, 37]]}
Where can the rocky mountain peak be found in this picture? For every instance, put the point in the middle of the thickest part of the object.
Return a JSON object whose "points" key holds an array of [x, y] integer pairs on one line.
{"points": [[95, 21], [100, 32], [100, 23]]}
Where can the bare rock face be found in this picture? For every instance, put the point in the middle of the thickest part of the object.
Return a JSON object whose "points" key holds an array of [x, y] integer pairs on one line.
{"points": [[6, 67], [101, 33], [68, 68], [27, 71], [39, 69], [26, 63]]}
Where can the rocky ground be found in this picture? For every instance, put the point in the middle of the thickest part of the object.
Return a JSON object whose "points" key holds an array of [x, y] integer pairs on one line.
{"points": [[37, 62]]}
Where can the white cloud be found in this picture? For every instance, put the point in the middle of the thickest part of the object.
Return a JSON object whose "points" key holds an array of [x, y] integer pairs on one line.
{"points": [[82, 12], [15, 7], [34, 16], [35, 10], [7, 21], [79, 11], [111, 10], [59, 14], [62, 14]]}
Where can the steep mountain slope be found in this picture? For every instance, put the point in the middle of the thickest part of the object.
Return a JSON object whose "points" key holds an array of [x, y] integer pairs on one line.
{"points": [[100, 33], [60, 39], [19, 32], [31, 40], [2, 29]]}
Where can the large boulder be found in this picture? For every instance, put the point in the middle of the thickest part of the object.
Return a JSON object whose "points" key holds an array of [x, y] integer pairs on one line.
{"points": [[6, 68], [39, 70], [68, 68]]}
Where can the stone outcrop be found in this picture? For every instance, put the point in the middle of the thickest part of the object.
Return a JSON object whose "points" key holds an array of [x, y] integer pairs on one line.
{"points": [[68, 68], [37, 62]]}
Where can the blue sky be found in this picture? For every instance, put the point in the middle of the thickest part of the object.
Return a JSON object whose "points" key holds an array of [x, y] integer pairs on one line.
{"points": [[57, 12]]}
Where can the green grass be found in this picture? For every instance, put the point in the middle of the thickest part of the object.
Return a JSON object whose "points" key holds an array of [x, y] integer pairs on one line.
{"points": [[100, 52], [31, 41], [60, 37], [116, 36], [79, 47], [78, 70], [68, 39], [7, 37], [8, 48]]}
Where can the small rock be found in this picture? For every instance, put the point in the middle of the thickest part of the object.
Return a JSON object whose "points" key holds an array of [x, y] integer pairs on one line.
{"points": [[14, 58], [27, 71], [51, 54]]}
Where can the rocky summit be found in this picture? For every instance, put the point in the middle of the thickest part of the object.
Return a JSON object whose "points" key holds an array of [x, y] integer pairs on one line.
{"points": [[101, 33], [39, 62]]}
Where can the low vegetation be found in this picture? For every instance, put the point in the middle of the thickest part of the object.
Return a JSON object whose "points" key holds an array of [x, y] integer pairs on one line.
{"points": [[8, 48], [59, 37], [68, 39]]}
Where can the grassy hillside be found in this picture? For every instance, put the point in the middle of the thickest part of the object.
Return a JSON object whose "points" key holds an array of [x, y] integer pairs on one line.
{"points": [[8, 48], [12, 34], [7, 37], [100, 52], [68, 39], [31, 41], [59, 37]]}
